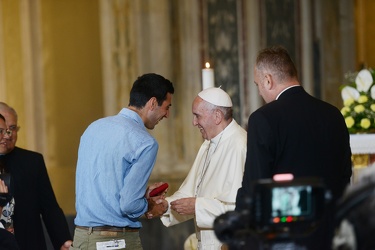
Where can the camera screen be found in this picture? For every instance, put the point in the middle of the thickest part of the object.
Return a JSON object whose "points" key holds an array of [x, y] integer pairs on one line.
{"points": [[291, 201]]}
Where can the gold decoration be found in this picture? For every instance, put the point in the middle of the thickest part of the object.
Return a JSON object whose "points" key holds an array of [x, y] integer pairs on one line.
{"points": [[360, 160]]}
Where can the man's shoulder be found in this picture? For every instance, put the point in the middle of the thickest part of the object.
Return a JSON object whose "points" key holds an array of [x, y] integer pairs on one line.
{"points": [[267, 110], [293, 100], [240, 131], [22, 159], [25, 152], [236, 136]]}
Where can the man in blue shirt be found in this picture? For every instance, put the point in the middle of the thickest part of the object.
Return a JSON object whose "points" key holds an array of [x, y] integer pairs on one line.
{"points": [[115, 158]]}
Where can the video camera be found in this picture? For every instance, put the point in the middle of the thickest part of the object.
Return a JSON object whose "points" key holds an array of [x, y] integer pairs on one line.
{"points": [[279, 208]]}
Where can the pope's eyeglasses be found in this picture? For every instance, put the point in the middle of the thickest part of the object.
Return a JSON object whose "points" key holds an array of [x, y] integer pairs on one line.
{"points": [[14, 128], [4, 132]]}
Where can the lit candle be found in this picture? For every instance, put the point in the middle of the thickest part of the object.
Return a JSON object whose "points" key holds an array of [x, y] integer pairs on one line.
{"points": [[208, 77]]}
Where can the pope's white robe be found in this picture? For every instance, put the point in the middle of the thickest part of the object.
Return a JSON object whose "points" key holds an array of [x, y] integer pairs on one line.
{"points": [[218, 190]]}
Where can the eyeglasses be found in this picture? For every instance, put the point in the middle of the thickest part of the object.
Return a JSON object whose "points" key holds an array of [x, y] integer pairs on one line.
{"points": [[7, 132], [14, 128]]}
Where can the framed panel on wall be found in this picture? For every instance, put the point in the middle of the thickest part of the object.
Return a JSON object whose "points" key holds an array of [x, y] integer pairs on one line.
{"points": [[280, 25], [223, 42]]}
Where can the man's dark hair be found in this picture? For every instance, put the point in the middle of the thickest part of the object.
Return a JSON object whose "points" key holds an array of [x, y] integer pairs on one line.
{"points": [[148, 86], [2, 117]]}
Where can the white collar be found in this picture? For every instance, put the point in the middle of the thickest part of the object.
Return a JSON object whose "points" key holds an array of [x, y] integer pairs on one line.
{"points": [[277, 97]]}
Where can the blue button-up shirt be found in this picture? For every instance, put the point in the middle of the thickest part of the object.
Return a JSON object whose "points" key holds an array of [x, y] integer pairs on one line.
{"points": [[115, 158]]}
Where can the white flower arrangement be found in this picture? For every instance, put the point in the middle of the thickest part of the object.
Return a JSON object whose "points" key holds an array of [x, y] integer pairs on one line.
{"points": [[359, 102]]}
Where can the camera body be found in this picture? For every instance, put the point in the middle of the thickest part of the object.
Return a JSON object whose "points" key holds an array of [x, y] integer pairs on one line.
{"points": [[277, 211], [280, 205]]}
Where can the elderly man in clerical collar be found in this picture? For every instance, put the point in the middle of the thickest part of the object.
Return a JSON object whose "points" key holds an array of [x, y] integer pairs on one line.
{"points": [[211, 185]]}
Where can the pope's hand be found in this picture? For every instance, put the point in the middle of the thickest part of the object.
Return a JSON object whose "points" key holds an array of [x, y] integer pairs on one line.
{"points": [[184, 206]]}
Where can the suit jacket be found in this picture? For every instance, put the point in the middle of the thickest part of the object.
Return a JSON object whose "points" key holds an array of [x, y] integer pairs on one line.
{"points": [[34, 199], [297, 134], [7, 240]]}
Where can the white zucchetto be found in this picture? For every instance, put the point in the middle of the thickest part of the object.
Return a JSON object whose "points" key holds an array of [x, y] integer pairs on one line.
{"points": [[216, 96]]}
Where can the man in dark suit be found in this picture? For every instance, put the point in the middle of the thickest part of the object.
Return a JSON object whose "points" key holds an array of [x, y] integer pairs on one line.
{"points": [[294, 133], [33, 194], [7, 240]]}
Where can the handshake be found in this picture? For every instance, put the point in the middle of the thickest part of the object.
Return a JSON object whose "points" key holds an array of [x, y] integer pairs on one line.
{"points": [[158, 205], [155, 195]]}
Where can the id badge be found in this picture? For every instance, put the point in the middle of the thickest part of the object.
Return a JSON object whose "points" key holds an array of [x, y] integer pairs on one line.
{"points": [[109, 245]]}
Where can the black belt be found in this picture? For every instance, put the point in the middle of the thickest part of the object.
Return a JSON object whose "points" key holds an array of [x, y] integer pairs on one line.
{"points": [[110, 229]]}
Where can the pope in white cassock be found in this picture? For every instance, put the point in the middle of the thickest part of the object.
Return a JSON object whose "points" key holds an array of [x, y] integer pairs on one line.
{"points": [[211, 186]]}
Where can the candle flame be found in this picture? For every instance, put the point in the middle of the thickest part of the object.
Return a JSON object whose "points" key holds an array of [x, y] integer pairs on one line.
{"points": [[207, 65]]}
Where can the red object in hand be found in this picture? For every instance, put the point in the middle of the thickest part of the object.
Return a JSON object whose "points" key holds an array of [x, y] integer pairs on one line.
{"points": [[157, 191]]}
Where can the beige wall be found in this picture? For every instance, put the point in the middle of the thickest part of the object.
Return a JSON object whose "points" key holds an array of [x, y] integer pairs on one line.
{"points": [[11, 62], [64, 37], [365, 20], [72, 85]]}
